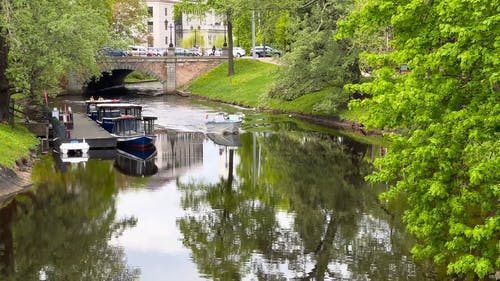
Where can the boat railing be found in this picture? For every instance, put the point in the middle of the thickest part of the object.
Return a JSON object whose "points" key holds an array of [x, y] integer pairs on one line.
{"points": [[148, 124]]}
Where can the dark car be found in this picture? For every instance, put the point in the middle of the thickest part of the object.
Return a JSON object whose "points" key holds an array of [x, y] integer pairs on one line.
{"points": [[115, 53], [265, 52]]}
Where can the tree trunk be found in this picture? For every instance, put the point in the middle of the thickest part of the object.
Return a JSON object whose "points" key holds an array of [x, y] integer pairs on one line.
{"points": [[4, 83], [230, 60]]}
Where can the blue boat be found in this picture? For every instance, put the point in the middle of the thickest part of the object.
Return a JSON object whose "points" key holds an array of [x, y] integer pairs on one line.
{"points": [[106, 112], [132, 132], [125, 122]]}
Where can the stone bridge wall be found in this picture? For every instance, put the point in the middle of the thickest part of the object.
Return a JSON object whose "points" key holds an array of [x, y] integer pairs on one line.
{"points": [[187, 71], [172, 71]]}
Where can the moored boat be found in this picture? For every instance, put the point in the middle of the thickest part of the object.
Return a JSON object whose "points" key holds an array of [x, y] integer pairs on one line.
{"points": [[125, 122], [91, 106], [106, 112], [74, 148], [132, 132]]}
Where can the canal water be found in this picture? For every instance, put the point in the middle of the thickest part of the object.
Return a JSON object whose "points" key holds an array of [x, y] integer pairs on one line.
{"points": [[283, 200]]}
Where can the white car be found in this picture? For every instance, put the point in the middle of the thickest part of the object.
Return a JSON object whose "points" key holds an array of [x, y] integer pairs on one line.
{"points": [[137, 51], [238, 52]]}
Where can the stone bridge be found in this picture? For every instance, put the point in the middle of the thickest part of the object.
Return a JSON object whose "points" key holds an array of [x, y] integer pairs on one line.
{"points": [[171, 71]]}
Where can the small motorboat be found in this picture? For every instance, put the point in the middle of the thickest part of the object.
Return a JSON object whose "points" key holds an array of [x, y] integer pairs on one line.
{"points": [[74, 148], [223, 123]]}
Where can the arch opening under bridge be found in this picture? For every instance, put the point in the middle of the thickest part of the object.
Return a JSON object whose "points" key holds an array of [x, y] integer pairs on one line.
{"points": [[172, 72]]}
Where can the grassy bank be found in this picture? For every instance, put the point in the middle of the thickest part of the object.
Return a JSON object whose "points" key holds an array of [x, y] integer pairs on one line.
{"points": [[249, 86], [138, 76], [16, 144]]}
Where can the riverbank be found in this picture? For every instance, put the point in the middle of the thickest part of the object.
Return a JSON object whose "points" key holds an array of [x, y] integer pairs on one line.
{"points": [[249, 87], [17, 155], [13, 182]]}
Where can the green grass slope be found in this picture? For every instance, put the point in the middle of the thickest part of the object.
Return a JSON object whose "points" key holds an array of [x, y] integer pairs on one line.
{"points": [[249, 87], [15, 144]]}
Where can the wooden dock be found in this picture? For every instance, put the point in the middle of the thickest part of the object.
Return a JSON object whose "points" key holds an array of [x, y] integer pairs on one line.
{"points": [[94, 135]]}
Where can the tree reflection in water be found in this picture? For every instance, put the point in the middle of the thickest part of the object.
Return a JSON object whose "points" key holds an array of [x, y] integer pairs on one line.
{"points": [[60, 230], [238, 229]]}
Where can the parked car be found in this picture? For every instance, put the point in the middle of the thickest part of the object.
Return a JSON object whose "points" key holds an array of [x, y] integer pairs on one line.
{"points": [[182, 52], [265, 52], [114, 52], [137, 51], [195, 52], [155, 52], [238, 52]]}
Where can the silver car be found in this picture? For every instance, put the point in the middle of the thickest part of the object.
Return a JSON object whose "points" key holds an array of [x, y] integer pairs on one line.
{"points": [[238, 52]]}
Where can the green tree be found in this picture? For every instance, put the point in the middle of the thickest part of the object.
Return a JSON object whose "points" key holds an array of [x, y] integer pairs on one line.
{"points": [[128, 21], [41, 41], [446, 112], [236, 11], [225, 8], [317, 61]]}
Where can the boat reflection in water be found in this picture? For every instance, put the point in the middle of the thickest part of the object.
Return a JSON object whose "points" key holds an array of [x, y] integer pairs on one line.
{"points": [[138, 163], [227, 140], [227, 143]]}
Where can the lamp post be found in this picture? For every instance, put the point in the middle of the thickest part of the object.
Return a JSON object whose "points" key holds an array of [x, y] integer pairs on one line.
{"points": [[171, 45], [194, 38], [225, 43], [238, 35]]}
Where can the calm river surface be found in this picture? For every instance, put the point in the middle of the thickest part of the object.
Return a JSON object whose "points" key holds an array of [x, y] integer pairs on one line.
{"points": [[283, 200]]}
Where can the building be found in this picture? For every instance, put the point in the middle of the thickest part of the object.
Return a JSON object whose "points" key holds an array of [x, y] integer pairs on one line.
{"points": [[163, 29]]}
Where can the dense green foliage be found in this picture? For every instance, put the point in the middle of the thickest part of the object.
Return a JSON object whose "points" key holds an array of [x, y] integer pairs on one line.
{"points": [[61, 31], [42, 42], [447, 111], [16, 143], [315, 60], [128, 22]]}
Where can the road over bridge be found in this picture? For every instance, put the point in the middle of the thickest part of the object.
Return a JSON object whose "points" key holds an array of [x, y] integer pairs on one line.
{"points": [[171, 71]]}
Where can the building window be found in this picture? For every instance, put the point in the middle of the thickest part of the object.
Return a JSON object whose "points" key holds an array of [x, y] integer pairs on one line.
{"points": [[150, 11], [166, 39], [166, 24], [150, 26], [166, 12]]}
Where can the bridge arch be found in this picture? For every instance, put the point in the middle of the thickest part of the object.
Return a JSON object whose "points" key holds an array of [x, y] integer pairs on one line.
{"points": [[171, 71], [131, 68]]}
